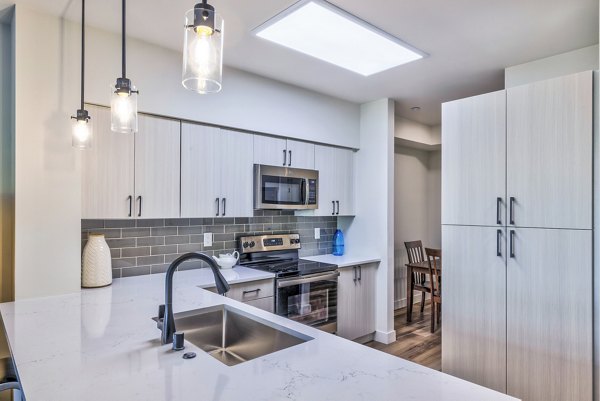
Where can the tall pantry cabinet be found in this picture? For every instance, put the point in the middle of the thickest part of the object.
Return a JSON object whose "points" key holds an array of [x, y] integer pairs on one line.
{"points": [[517, 239]]}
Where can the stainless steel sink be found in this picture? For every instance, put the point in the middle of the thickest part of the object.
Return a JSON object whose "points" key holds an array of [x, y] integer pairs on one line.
{"points": [[233, 336]]}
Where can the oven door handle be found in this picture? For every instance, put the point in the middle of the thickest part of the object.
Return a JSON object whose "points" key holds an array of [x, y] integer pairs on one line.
{"points": [[307, 279]]}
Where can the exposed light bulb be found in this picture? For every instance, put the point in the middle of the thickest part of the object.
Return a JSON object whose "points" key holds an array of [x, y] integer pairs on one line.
{"points": [[82, 134], [123, 107], [204, 58]]}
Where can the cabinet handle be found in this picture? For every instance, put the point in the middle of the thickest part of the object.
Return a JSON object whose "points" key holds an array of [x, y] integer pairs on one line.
{"points": [[290, 161], [359, 273], [130, 199], [355, 276], [512, 210], [224, 205], [140, 210], [498, 204], [332, 208], [217, 200], [498, 245], [512, 243], [251, 291], [284, 157], [338, 207]]}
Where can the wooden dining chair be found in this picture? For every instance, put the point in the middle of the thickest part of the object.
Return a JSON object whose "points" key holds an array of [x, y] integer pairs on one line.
{"points": [[434, 257], [414, 250]]}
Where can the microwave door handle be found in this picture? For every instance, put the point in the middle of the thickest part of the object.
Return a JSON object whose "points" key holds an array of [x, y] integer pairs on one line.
{"points": [[305, 189]]}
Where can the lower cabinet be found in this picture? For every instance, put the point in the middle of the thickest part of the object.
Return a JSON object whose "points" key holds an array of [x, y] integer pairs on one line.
{"points": [[356, 301], [257, 293]]}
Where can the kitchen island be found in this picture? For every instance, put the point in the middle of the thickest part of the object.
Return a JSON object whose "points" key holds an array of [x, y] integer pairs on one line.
{"points": [[101, 344]]}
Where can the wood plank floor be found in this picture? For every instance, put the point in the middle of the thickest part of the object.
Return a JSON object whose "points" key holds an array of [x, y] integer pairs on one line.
{"points": [[414, 340]]}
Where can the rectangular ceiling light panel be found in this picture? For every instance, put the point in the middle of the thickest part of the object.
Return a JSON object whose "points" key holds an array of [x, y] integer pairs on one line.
{"points": [[322, 30]]}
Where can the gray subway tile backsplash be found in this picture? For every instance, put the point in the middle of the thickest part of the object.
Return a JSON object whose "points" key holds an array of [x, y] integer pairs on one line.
{"points": [[148, 246]]}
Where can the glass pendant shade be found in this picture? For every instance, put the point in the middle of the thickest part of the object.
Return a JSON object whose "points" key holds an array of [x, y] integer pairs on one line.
{"points": [[82, 134], [123, 111], [203, 52]]}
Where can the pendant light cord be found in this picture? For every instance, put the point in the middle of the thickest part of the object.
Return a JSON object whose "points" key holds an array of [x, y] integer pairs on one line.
{"points": [[82, 50], [123, 41]]}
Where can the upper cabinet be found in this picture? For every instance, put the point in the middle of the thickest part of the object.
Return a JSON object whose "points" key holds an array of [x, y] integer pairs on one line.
{"points": [[549, 142], [216, 172], [474, 160], [336, 181], [127, 176], [157, 167], [283, 152]]}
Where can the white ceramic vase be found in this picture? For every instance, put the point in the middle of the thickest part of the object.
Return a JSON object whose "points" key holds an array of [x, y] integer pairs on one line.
{"points": [[96, 268]]}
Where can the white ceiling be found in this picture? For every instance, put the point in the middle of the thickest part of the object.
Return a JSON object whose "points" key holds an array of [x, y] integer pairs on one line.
{"points": [[470, 42]]}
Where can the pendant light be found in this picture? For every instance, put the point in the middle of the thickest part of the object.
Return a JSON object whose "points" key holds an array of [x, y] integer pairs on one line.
{"points": [[82, 128], [123, 100], [203, 49]]}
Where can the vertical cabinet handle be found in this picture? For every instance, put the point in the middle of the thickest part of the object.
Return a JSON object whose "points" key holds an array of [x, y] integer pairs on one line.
{"points": [[284, 157], [498, 216], [512, 210], [130, 199], [512, 243], [359, 273], [290, 161], [217, 200], [338, 207], [140, 209], [498, 243], [332, 208], [355, 275], [224, 206]]}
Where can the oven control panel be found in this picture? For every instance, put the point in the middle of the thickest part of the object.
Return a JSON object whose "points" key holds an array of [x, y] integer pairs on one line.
{"points": [[270, 242]]}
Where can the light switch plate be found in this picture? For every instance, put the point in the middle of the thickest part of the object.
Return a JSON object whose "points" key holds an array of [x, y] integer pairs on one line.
{"points": [[317, 233], [208, 239]]}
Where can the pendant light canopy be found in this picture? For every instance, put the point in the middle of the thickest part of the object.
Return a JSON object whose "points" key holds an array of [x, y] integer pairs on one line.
{"points": [[82, 127], [123, 99], [203, 49]]}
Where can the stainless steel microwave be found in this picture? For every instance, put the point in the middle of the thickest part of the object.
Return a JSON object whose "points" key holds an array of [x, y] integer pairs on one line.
{"points": [[285, 188]]}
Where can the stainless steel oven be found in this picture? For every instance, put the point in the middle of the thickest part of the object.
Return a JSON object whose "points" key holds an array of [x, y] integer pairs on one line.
{"points": [[285, 188], [310, 299]]}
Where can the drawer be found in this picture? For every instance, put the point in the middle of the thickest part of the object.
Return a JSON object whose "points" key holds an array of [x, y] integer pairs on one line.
{"points": [[267, 304], [249, 291]]}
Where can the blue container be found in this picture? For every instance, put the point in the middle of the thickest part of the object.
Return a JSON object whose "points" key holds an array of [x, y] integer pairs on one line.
{"points": [[338, 243]]}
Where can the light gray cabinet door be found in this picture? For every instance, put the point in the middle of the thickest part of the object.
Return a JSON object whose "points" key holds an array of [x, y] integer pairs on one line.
{"points": [[356, 301], [325, 163], [157, 167], [474, 304], [300, 154], [474, 160], [107, 171], [549, 315], [200, 181], [345, 182], [549, 141], [236, 168], [270, 151]]}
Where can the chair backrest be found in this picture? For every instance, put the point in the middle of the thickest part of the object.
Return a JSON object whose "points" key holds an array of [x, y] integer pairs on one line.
{"points": [[434, 257], [414, 249]]}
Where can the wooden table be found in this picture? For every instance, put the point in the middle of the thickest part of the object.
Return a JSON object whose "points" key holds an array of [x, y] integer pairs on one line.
{"points": [[419, 267]]}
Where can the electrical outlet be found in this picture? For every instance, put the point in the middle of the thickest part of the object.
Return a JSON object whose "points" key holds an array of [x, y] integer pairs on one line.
{"points": [[208, 239], [317, 233]]}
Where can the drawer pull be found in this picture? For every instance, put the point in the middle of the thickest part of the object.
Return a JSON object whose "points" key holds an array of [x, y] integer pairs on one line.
{"points": [[251, 291]]}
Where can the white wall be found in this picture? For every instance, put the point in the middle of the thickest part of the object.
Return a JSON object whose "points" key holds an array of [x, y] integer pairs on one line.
{"points": [[372, 230], [417, 132], [584, 59], [48, 194], [247, 101], [417, 215]]}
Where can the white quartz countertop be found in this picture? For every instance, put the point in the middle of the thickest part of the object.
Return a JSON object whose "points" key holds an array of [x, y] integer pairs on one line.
{"points": [[344, 260], [239, 274], [101, 344]]}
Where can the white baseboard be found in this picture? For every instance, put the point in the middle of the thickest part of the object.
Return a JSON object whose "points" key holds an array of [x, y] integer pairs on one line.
{"points": [[401, 303], [385, 337]]}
